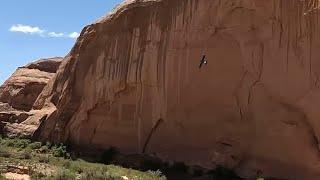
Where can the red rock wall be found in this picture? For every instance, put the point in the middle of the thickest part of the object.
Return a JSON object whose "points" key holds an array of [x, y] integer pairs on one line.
{"points": [[18, 94], [132, 81], [24, 86]]}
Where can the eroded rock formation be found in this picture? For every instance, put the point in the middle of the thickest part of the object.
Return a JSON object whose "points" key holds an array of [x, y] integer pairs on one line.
{"points": [[132, 81], [22, 89], [18, 94]]}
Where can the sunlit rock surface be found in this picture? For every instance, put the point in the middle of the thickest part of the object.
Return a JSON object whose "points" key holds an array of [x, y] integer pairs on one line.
{"points": [[132, 81], [22, 89], [18, 94]]}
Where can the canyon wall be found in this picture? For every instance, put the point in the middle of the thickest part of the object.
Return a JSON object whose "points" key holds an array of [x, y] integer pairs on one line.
{"points": [[133, 81]]}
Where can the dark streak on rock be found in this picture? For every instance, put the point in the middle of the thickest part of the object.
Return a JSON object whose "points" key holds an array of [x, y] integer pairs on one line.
{"points": [[153, 130]]}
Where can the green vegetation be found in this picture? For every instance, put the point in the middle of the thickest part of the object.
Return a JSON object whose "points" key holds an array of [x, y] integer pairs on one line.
{"points": [[47, 161]]}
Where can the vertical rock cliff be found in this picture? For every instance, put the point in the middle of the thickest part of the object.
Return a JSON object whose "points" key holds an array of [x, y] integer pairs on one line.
{"points": [[132, 81]]}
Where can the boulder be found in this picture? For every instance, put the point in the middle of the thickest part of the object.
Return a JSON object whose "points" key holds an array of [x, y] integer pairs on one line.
{"points": [[22, 124]]}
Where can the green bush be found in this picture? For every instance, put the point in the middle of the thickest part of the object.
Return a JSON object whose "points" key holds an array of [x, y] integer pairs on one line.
{"points": [[59, 151], [21, 143], [9, 143], [16, 143], [35, 145], [67, 156], [48, 144]]}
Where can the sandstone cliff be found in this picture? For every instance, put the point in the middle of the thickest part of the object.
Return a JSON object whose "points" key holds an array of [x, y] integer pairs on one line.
{"points": [[22, 89], [132, 81], [18, 94]]}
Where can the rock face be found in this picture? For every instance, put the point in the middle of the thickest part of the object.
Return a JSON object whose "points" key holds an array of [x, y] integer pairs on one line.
{"points": [[18, 94], [22, 89], [50, 65], [132, 81]]}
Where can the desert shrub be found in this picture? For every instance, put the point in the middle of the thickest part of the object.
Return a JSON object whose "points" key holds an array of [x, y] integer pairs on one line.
{"points": [[48, 144], [25, 155], [8, 142], [67, 156], [59, 151], [16, 143], [21, 143], [73, 156], [76, 166], [108, 155], [66, 164], [44, 159], [43, 149], [35, 145], [98, 175], [2, 178], [4, 153], [38, 176], [157, 173], [64, 174]]}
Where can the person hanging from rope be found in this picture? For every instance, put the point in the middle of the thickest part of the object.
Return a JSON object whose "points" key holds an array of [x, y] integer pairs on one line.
{"points": [[203, 61], [204, 51]]}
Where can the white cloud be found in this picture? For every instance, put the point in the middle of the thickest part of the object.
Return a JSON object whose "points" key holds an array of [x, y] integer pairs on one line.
{"points": [[54, 34], [74, 35], [26, 29]]}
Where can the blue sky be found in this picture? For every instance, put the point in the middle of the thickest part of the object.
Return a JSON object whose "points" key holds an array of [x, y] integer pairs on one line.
{"points": [[34, 29]]}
